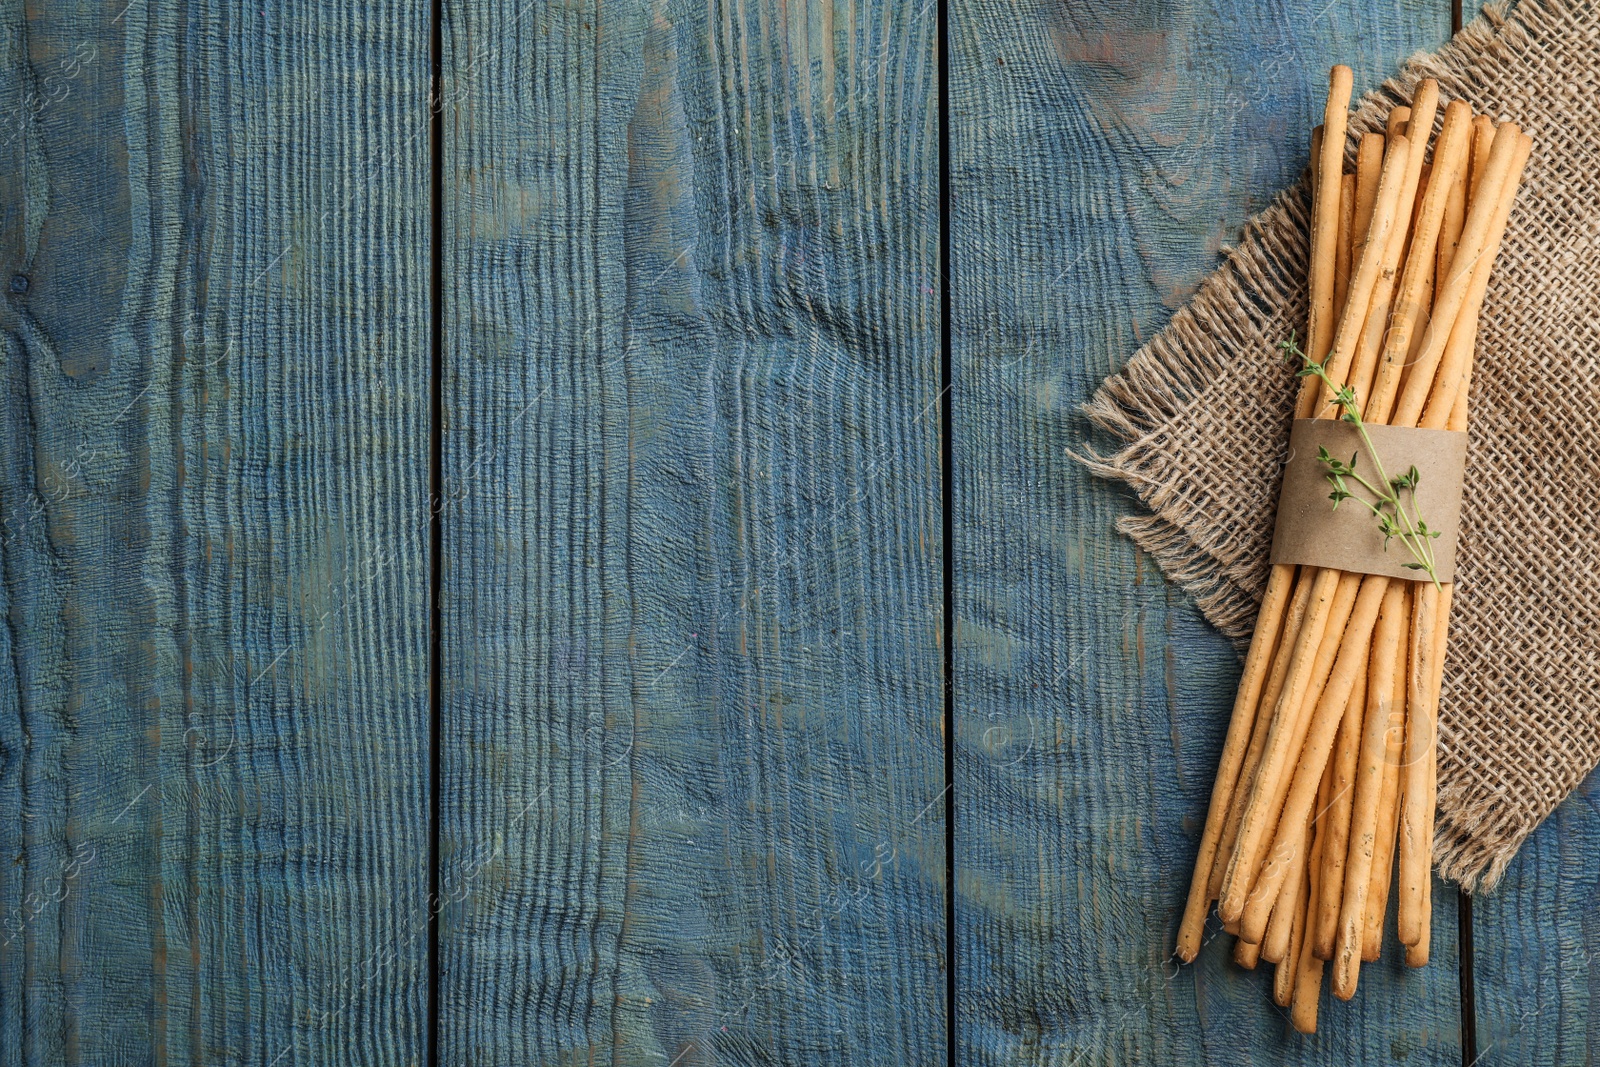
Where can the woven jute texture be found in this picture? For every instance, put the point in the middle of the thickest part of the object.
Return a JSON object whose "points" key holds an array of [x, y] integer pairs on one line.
{"points": [[1201, 418]]}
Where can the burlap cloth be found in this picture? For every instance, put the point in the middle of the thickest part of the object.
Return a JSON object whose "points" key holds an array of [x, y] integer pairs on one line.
{"points": [[1201, 416]]}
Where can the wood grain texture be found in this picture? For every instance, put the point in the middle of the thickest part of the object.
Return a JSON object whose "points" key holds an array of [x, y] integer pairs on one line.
{"points": [[213, 441], [1101, 156], [1537, 944], [692, 613]]}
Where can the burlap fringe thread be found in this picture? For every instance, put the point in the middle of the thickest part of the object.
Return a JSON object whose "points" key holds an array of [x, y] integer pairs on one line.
{"points": [[1202, 413]]}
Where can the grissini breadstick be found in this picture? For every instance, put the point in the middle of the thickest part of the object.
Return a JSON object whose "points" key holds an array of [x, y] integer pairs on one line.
{"points": [[1414, 834], [1461, 402], [1395, 124], [1325, 209], [1266, 796], [1389, 800], [1416, 211], [1336, 824], [1417, 954], [1308, 977], [1325, 717], [1443, 378], [1478, 159], [1411, 231], [1369, 785], [1416, 851], [1354, 215], [1477, 162], [1424, 316], [1246, 954], [1369, 164], [1283, 978], [1416, 205], [1406, 794], [1421, 914], [1303, 1002], [1482, 138], [1341, 261], [1455, 213], [1275, 940]]}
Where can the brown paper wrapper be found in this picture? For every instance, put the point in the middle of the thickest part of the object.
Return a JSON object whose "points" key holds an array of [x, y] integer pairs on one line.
{"points": [[1310, 530]]}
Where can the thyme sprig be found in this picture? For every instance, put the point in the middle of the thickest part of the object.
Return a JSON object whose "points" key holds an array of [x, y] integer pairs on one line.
{"points": [[1389, 495]]}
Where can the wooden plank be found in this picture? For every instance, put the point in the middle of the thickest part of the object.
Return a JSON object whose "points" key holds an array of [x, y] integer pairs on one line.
{"points": [[213, 482], [1537, 940], [1101, 156], [692, 671]]}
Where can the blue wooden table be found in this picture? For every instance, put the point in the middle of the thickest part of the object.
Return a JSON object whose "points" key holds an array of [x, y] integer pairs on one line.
{"points": [[541, 533]]}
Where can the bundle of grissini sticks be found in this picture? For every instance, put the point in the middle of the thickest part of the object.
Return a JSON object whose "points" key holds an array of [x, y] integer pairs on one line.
{"points": [[1327, 777]]}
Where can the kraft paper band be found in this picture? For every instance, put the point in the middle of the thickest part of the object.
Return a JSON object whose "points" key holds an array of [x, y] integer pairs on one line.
{"points": [[1311, 531]]}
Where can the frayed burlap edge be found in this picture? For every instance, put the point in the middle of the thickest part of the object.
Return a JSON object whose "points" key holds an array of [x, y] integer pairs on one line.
{"points": [[1227, 315]]}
